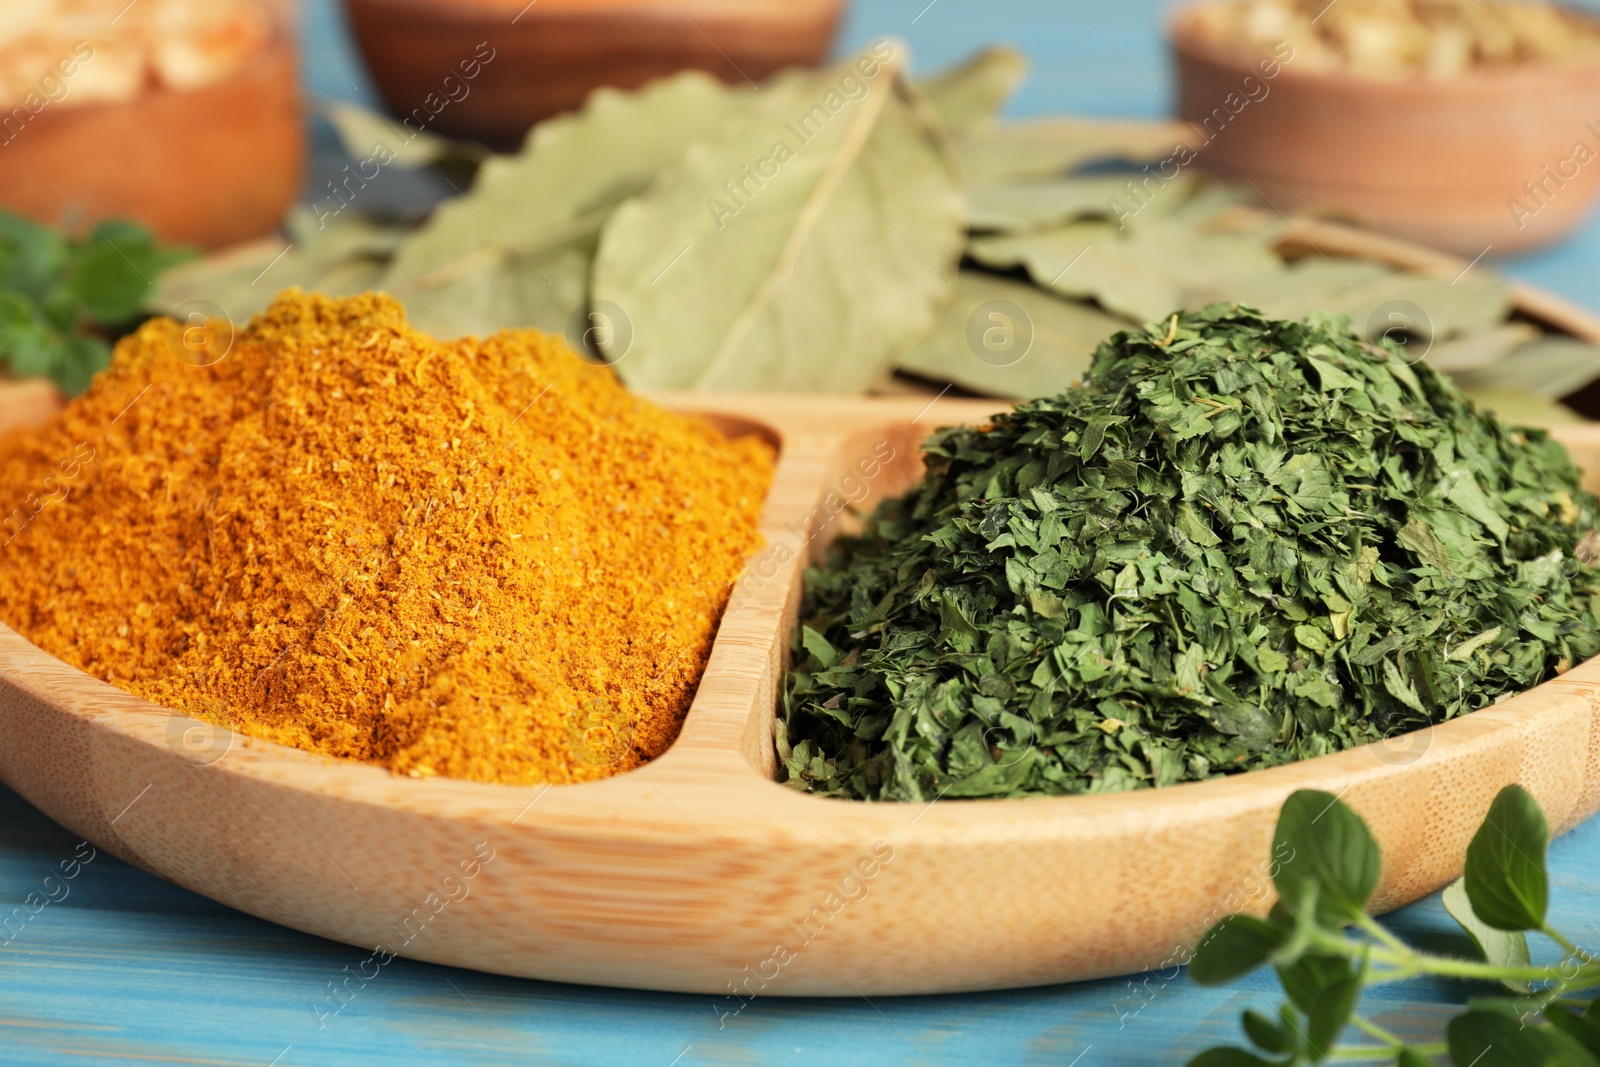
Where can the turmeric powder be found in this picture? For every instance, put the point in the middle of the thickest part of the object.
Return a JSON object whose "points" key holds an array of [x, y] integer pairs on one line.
{"points": [[477, 559]]}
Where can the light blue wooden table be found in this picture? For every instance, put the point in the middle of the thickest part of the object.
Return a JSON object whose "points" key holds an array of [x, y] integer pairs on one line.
{"points": [[130, 970]]}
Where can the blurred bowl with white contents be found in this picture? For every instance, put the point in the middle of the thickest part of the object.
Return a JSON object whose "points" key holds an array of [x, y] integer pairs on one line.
{"points": [[181, 114], [1466, 124]]}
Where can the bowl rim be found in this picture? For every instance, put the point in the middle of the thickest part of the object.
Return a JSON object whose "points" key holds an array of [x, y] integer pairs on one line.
{"points": [[480, 12]]}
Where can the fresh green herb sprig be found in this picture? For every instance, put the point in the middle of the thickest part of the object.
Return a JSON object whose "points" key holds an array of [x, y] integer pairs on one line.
{"points": [[1539, 1017], [1243, 541], [63, 300]]}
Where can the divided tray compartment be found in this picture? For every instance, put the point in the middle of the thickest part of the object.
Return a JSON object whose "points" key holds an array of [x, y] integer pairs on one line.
{"points": [[699, 872]]}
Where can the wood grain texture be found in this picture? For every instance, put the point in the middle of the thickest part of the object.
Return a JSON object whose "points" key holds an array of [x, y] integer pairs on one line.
{"points": [[689, 873]]}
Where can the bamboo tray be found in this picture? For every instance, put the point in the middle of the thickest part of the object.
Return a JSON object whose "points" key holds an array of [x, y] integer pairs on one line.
{"points": [[700, 873]]}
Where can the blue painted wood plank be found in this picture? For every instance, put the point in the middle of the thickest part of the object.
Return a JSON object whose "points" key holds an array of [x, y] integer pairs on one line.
{"points": [[128, 965]]}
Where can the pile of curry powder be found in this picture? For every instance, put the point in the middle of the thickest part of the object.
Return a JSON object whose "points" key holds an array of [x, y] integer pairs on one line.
{"points": [[482, 559]]}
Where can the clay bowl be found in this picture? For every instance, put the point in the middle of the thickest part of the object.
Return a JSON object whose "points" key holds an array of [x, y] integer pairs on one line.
{"points": [[1437, 161], [208, 166], [531, 61]]}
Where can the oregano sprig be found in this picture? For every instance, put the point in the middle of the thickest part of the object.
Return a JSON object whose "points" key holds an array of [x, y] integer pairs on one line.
{"points": [[64, 299], [1326, 950]]}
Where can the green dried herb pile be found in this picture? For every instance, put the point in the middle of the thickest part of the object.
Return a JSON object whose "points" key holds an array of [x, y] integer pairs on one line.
{"points": [[1243, 541]]}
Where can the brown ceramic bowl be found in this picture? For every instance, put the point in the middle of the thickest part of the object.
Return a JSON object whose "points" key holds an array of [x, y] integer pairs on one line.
{"points": [[207, 166], [547, 56], [1444, 162]]}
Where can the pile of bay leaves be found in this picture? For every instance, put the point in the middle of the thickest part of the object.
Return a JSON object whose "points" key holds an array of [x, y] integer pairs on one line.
{"points": [[849, 230]]}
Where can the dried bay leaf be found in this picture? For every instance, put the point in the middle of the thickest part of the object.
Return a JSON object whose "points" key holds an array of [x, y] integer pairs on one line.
{"points": [[223, 278], [972, 93], [1174, 251], [1380, 299], [570, 175], [1519, 407], [1424, 306], [345, 254], [1142, 271], [1307, 282], [1064, 334], [1049, 256], [328, 242], [1483, 350], [519, 249], [352, 276], [1549, 367], [366, 134], [1042, 149], [1034, 206], [1211, 206], [503, 289], [827, 266]]}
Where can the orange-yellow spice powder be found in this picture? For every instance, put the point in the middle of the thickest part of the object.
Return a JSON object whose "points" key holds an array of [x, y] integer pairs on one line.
{"points": [[478, 559]]}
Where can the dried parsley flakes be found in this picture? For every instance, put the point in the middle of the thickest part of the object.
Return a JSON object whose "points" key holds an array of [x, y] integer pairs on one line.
{"points": [[1241, 542]]}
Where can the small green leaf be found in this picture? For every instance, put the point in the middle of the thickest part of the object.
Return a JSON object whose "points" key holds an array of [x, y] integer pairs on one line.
{"points": [[1489, 1038], [111, 278], [1505, 877], [1584, 1028], [1465, 649], [78, 361], [1237, 945], [1419, 537], [1228, 1057], [26, 345], [1266, 1033], [31, 256], [121, 232], [58, 307], [1334, 857], [15, 310], [1499, 947], [1462, 489], [1330, 1013], [1412, 1058], [1305, 980], [818, 646]]}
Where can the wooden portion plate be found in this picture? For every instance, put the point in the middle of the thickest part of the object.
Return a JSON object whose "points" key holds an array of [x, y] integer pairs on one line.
{"points": [[699, 872]]}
